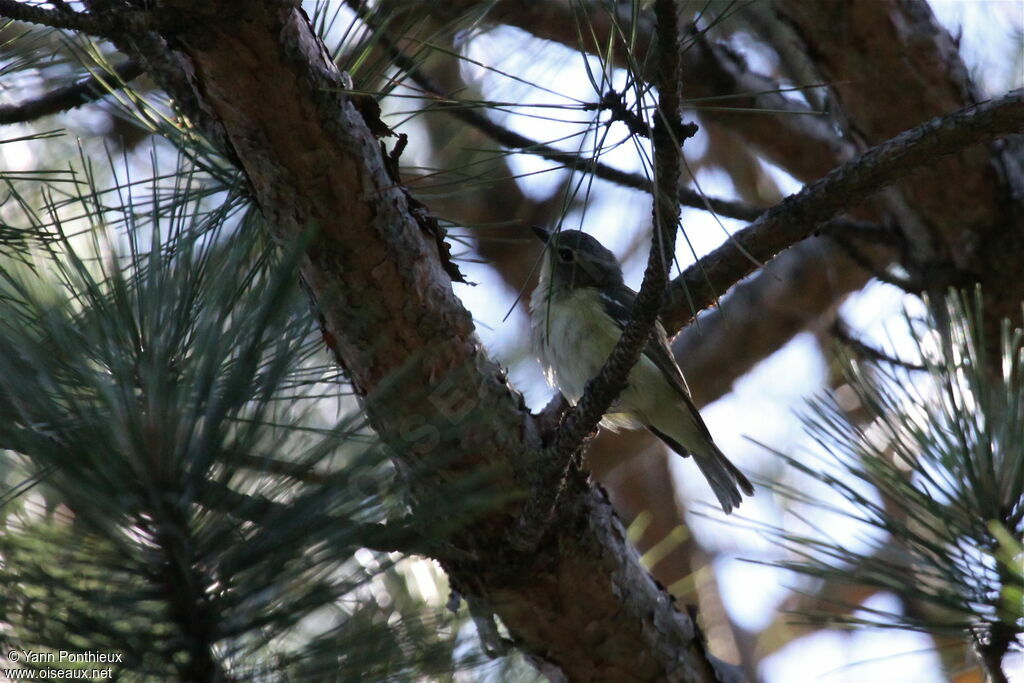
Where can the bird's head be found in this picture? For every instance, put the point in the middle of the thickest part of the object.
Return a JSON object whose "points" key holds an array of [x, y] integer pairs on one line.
{"points": [[574, 259]]}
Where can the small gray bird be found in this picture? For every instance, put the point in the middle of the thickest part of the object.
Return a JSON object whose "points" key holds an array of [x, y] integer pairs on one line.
{"points": [[578, 312]]}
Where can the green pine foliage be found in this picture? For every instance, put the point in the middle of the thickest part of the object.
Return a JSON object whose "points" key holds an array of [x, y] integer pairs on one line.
{"points": [[944, 450], [185, 476], [173, 488]]}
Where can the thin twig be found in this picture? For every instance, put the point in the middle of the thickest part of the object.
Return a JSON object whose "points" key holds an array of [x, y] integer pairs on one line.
{"points": [[612, 101], [602, 390], [512, 140], [798, 216], [841, 331], [84, 91], [852, 252], [387, 537]]}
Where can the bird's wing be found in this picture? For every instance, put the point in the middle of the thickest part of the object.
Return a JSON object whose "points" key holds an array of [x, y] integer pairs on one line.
{"points": [[619, 305]]}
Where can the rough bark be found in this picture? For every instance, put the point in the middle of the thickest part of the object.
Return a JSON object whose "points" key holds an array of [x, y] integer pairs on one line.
{"points": [[582, 604], [645, 488]]}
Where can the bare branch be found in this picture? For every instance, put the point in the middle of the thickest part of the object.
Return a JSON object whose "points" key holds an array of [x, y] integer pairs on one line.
{"points": [[513, 140], [115, 23], [781, 130], [841, 331], [799, 215], [84, 91]]}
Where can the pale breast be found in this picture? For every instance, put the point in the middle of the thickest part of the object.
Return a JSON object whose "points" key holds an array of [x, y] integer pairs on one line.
{"points": [[573, 337]]}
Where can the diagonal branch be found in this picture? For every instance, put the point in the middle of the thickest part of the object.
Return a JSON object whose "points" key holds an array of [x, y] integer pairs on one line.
{"points": [[122, 22], [800, 215], [782, 130], [84, 91], [844, 335]]}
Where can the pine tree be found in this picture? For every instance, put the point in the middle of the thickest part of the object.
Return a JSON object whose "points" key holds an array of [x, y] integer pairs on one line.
{"points": [[239, 394]]}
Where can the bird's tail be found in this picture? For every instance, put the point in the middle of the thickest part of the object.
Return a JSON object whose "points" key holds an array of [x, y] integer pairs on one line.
{"points": [[725, 479]]}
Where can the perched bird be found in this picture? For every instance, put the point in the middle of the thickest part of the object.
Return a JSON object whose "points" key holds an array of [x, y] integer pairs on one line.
{"points": [[578, 312]]}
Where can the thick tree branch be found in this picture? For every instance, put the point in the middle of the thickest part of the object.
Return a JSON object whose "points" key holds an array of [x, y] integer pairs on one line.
{"points": [[84, 91], [437, 401], [645, 487], [978, 241], [798, 216]]}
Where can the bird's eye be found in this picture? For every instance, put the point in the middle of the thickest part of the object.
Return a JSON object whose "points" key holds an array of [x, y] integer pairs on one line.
{"points": [[566, 255]]}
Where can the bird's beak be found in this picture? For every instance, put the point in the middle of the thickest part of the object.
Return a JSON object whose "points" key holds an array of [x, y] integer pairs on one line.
{"points": [[541, 234]]}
